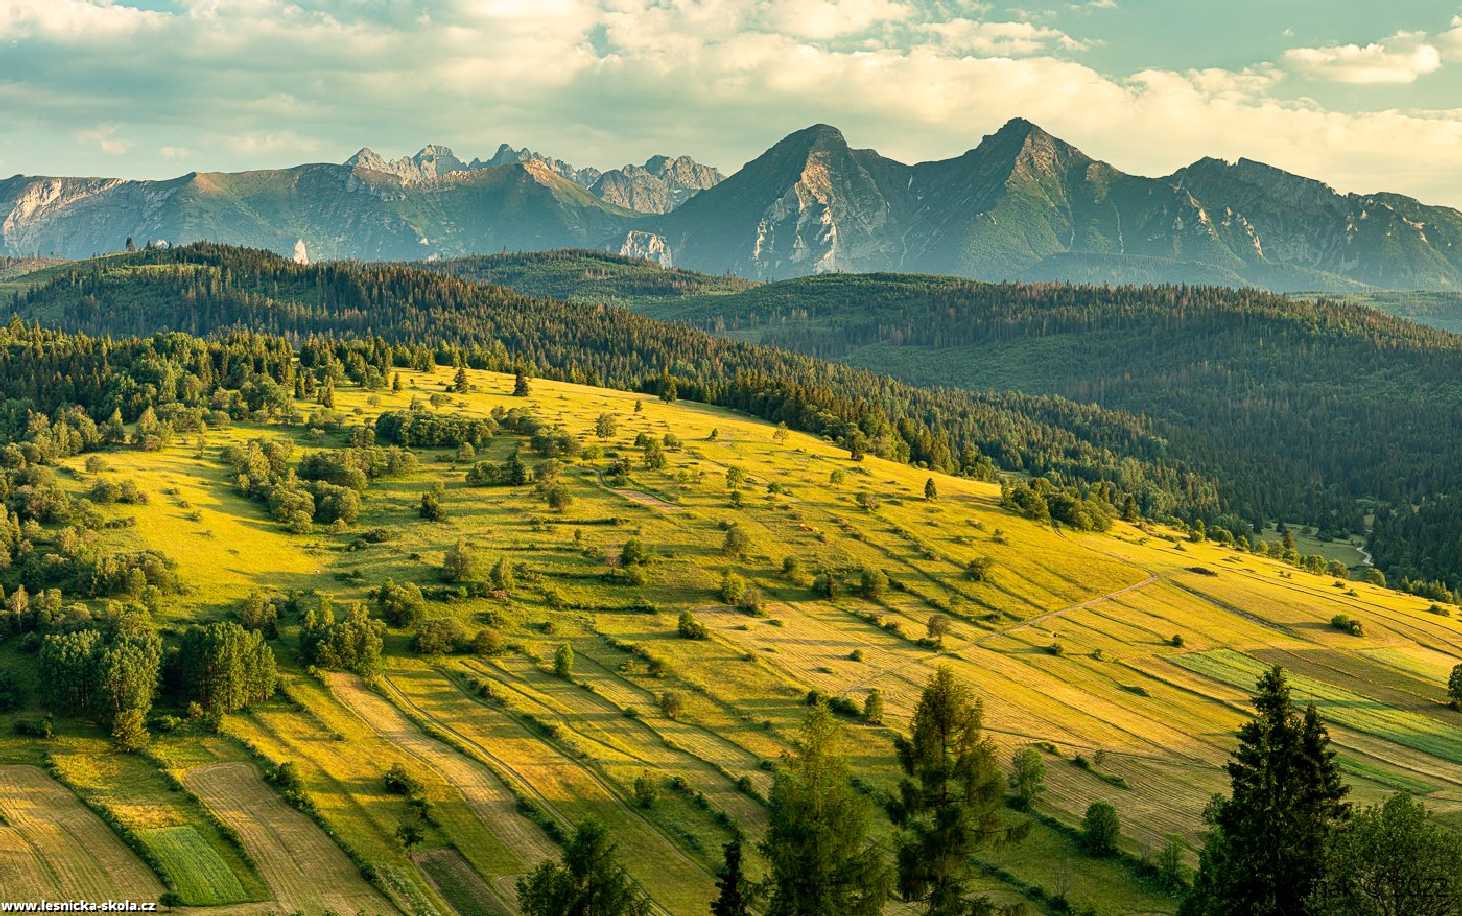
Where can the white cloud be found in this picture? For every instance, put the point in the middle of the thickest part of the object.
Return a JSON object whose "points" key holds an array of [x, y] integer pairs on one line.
{"points": [[1450, 41], [1403, 58], [105, 139], [233, 84], [970, 36], [73, 20], [832, 18]]}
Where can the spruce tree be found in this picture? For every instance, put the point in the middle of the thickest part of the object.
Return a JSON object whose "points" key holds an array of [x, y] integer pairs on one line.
{"points": [[820, 858], [589, 881], [950, 799], [1265, 846], [735, 892]]}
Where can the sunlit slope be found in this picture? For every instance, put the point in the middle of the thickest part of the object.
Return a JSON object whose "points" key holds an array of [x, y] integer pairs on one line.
{"points": [[1130, 650]]}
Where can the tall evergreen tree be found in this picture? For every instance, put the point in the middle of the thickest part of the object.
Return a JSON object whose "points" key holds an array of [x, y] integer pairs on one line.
{"points": [[1265, 846], [735, 892], [588, 882], [949, 799], [821, 860]]}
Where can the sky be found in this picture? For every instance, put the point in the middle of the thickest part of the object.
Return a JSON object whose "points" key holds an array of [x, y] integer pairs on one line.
{"points": [[1366, 96]]}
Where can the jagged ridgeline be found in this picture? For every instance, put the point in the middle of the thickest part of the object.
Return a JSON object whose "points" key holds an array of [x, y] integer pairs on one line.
{"points": [[388, 314]]}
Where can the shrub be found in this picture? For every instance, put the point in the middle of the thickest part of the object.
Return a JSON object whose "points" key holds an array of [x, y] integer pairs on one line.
{"points": [[1100, 829], [487, 642], [978, 569], [872, 583], [873, 707], [844, 706], [35, 728], [563, 661], [12, 696], [690, 628], [432, 509], [733, 587], [633, 553], [400, 782], [459, 564], [401, 605], [735, 542], [645, 792], [439, 636]]}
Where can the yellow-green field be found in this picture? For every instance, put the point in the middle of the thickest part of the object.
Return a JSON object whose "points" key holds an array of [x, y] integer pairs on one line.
{"points": [[1072, 641]]}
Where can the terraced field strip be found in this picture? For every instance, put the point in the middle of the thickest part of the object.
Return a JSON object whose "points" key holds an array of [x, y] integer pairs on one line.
{"points": [[192, 855], [342, 765], [464, 888], [565, 787], [523, 843], [53, 847], [195, 869], [1028, 696], [598, 720], [304, 869], [726, 691], [1442, 634], [704, 743], [1357, 672], [1356, 711], [1041, 619], [1027, 692]]}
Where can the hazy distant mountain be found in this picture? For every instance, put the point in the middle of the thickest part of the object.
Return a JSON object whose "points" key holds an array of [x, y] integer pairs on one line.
{"points": [[1021, 205], [368, 208], [420, 206]]}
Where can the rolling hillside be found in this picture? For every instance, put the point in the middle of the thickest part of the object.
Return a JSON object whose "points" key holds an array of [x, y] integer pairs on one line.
{"points": [[1294, 405], [1125, 655]]}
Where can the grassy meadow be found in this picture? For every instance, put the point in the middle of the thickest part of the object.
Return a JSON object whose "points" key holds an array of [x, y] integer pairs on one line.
{"points": [[1127, 657]]}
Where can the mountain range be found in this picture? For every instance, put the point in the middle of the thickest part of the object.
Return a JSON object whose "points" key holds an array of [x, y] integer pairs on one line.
{"points": [[1021, 205]]}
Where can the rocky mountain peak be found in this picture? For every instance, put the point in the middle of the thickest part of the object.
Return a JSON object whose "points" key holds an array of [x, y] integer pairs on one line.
{"points": [[811, 139]]}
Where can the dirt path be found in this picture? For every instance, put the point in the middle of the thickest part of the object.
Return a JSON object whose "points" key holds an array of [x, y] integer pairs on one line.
{"points": [[304, 869], [1042, 618]]}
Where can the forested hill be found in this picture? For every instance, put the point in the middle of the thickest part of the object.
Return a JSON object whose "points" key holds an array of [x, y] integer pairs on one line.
{"points": [[575, 275], [407, 315], [1313, 410]]}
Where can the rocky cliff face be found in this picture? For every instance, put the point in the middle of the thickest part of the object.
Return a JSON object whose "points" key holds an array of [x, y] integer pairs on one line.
{"points": [[1021, 205], [647, 246], [658, 186]]}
